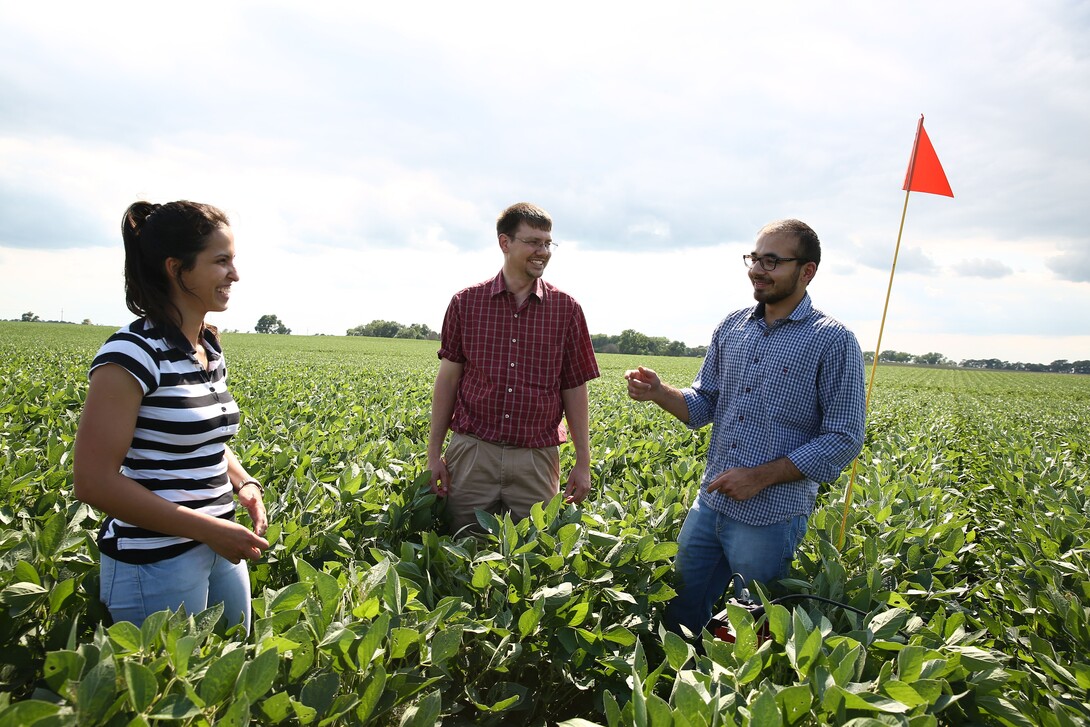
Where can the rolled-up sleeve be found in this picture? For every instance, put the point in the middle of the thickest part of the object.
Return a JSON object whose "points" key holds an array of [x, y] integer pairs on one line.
{"points": [[701, 398]]}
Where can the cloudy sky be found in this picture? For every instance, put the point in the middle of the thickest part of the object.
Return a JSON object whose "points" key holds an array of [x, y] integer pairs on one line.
{"points": [[364, 150]]}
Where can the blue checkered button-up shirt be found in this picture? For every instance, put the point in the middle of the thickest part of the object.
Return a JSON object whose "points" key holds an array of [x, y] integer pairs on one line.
{"points": [[793, 389]]}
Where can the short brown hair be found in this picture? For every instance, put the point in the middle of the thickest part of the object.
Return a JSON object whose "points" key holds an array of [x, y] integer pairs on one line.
{"points": [[509, 220], [809, 246]]}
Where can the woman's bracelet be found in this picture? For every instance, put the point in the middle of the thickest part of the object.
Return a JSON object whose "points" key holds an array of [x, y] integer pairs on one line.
{"points": [[255, 483]]}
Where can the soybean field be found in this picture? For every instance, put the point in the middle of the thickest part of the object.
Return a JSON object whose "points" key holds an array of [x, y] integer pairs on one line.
{"points": [[960, 596]]}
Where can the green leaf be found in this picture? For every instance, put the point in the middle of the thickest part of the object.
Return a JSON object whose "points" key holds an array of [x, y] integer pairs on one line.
{"points": [[903, 693], [258, 675], [794, 702], [151, 629], [180, 654], [237, 715], [97, 692], [52, 535], [808, 653], [372, 640], [126, 635], [528, 621], [678, 650], [141, 684], [176, 707], [320, 691], [371, 694], [27, 712], [276, 708], [867, 701], [445, 644], [658, 711], [750, 670], [779, 623], [764, 712], [290, 597], [60, 668], [424, 713], [401, 640], [25, 573], [60, 593], [219, 681]]}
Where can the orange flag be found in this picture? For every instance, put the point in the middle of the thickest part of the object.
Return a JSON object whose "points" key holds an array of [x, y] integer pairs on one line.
{"points": [[924, 170]]}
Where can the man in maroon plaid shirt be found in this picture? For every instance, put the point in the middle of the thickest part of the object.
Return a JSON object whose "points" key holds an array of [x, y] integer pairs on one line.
{"points": [[515, 359]]}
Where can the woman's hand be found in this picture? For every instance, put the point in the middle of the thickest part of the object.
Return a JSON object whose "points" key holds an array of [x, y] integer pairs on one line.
{"points": [[249, 496], [233, 541]]}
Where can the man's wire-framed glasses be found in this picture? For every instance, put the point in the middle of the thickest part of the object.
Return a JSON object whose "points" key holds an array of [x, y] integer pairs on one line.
{"points": [[769, 262], [546, 246]]}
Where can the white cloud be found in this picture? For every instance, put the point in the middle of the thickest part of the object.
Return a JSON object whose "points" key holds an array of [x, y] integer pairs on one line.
{"points": [[364, 150]]}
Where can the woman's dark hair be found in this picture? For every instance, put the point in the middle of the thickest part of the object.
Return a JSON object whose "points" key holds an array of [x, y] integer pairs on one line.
{"points": [[153, 233]]}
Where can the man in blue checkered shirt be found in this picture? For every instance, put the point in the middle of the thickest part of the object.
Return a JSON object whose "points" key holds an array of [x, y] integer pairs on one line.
{"points": [[782, 386]]}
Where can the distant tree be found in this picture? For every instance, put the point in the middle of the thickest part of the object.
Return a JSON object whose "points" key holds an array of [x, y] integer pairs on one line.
{"points": [[932, 359], [600, 340], [30, 317], [271, 324], [1060, 365], [634, 342], [86, 322], [392, 329], [895, 357], [675, 348]]}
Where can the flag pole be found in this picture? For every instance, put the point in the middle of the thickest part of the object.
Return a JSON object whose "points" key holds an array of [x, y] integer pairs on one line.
{"points": [[878, 347]]}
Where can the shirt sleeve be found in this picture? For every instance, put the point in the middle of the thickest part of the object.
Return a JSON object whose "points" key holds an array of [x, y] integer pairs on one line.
{"points": [[132, 353], [842, 399], [450, 346], [702, 397], [579, 365]]}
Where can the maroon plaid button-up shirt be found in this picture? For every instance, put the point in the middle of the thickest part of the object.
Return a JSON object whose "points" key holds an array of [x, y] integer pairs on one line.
{"points": [[517, 361]]}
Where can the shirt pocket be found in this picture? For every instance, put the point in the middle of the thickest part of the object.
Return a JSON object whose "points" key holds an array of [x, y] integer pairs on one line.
{"points": [[541, 366], [791, 395]]}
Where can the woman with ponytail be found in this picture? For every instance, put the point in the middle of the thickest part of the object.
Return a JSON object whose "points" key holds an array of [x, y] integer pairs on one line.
{"points": [[151, 449]]}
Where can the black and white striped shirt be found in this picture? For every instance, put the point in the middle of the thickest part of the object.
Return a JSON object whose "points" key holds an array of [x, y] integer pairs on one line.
{"points": [[177, 451]]}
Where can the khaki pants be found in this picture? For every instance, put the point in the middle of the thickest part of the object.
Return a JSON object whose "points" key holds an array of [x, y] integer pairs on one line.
{"points": [[497, 478]]}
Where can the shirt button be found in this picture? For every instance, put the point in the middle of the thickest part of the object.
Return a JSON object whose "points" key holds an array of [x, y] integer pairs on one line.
{"points": [[741, 418], [506, 416], [756, 359], [223, 408], [512, 364], [514, 340], [509, 390], [516, 315], [734, 446], [748, 390], [212, 389]]}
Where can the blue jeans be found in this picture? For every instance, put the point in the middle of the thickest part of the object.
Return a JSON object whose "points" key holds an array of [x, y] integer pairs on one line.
{"points": [[713, 547], [195, 579]]}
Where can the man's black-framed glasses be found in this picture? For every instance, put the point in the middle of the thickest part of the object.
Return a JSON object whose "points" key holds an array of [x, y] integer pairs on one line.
{"points": [[769, 262]]}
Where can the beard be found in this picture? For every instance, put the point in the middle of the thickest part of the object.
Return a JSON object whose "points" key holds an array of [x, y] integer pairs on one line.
{"points": [[781, 290]]}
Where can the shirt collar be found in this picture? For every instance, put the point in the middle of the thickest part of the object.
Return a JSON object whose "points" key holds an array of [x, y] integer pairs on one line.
{"points": [[177, 339], [499, 285], [801, 312]]}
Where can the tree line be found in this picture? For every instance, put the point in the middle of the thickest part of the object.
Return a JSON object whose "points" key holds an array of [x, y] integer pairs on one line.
{"points": [[1059, 366], [393, 329]]}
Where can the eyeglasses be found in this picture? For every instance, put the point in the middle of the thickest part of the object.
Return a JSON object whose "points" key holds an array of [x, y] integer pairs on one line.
{"points": [[769, 262], [546, 246]]}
